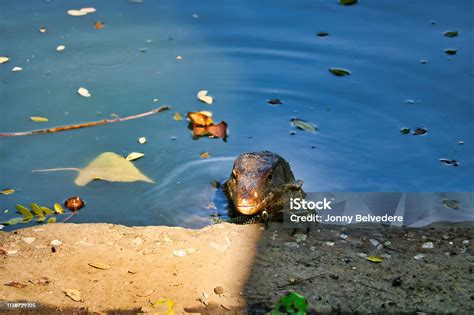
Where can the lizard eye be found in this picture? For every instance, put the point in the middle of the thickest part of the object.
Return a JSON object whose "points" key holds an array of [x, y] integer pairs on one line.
{"points": [[270, 176]]}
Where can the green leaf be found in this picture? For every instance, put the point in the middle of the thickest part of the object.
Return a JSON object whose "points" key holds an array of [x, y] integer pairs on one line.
{"points": [[405, 131], [24, 211], [40, 219], [347, 2], [51, 220], [58, 209], [292, 303], [47, 210], [36, 209], [451, 33], [304, 125], [339, 72], [12, 221]]}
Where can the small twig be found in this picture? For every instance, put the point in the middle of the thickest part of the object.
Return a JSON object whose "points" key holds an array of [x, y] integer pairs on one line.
{"points": [[58, 169], [84, 125]]}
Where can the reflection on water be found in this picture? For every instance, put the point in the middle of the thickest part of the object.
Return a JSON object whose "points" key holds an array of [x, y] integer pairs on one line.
{"points": [[244, 53]]}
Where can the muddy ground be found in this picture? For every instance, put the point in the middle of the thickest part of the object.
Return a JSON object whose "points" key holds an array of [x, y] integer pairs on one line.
{"points": [[228, 268]]}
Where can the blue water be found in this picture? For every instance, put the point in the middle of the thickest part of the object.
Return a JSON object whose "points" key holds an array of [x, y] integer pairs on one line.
{"points": [[244, 53]]}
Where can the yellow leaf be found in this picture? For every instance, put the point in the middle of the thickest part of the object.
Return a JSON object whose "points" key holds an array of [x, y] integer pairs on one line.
{"points": [[51, 220], [74, 294], [46, 210], [177, 116], [203, 97], [7, 192], [134, 156], [111, 167], [164, 306], [58, 209], [84, 92], [375, 259], [99, 265], [3, 59], [204, 155], [108, 166], [24, 211], [39, 119]]}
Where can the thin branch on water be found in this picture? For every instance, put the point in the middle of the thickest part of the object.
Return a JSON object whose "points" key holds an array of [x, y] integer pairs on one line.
{"points": [[84, 125], [58, 169]]}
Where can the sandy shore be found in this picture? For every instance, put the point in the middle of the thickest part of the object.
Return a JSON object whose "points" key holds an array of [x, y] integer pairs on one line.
{"points": [[235, 268]]}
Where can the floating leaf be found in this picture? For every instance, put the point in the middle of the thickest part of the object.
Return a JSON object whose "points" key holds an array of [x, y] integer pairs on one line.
{"points": [[107, 166], [304, 125], [134, 156], [42, 29], [74, 203], [40, 219], [449, 162], [339, 72], [46, 210], [405, 131], [3, 59], [51, 220], [58, 209], [204, 155], [74, 294], [76, 12], [60, 48], [111, 167], [219, 130], [99, 25], [7, 192], [375, 259], [36, 209], [84, 92], [16, 69], [200, 118], [274, 101], [142, 140], [451, 51], [420, 131], [451, 203], [88, 10], [99, 265], [322, 34], [203, 97], [451, 33], [12, 221], [347, 2], [39, 119], [25, 212], [16, 284], [177, 116]]}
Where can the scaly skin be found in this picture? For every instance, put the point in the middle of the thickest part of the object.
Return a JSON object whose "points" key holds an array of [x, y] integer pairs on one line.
{"points": [[260, 187]]}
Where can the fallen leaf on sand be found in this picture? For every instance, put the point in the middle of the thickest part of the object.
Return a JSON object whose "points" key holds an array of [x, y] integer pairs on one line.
{"points": [[177, 116], [74, 294], [40, 281], [108, 166], [99, 265], [203, 97], [3, 59], [15, 284], [134, 156], [145, 293], [84, 92], [39, 119]]}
